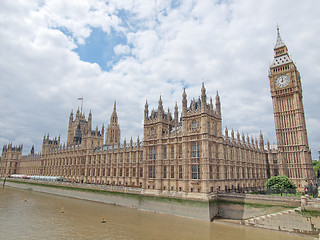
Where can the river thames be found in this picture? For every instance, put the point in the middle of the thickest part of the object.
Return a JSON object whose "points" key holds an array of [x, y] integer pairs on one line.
{"points": [[31, 215]]}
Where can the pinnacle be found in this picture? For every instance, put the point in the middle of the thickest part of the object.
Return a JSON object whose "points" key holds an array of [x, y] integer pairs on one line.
{"points": [[279, 42]]}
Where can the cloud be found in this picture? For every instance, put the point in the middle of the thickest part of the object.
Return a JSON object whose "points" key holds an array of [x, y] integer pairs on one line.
{"points": [[166, 47], [121, 49]]}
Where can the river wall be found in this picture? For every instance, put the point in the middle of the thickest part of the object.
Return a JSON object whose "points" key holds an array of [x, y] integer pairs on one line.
{"points": [[244, 206], [128, 197], [228, 206]]}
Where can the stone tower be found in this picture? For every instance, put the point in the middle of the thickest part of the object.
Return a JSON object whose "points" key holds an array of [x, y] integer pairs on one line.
{"points": [[9, 162], [113, 130], [286, 92], [78, 127]]}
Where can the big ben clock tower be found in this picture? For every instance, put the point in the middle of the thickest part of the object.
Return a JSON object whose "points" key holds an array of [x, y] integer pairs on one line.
{"points": [[294, 156]]}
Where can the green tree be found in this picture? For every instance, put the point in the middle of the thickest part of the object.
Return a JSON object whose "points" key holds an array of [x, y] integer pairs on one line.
{"points": [[280, 184], [316, 168]]}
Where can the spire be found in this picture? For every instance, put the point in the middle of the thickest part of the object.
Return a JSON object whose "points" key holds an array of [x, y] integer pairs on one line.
{"points": [[203, 98], [114, 117], [184, 102], [238, 137], [232, 135], [90, 121], [71, 115], [279, 42], [184, 95], [226, 133], [146, 111], [261, 142], [211, 104], [281, 56], [218, 104], [160, 108], [78, 113], [169, 114], [160, 101]]}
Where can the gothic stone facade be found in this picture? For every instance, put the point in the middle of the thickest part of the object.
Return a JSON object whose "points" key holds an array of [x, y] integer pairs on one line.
{"points": [[186, 156]]}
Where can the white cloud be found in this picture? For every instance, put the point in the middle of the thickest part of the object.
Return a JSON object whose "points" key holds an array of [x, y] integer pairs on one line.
{"points": [[227, 45], [121, 49]]}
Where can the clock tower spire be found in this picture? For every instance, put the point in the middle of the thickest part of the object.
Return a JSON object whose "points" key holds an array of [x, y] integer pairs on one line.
{"points": [[294, 156]]}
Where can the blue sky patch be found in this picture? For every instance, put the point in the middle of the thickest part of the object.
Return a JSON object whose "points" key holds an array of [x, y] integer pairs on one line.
{"points": [[99, 48]]}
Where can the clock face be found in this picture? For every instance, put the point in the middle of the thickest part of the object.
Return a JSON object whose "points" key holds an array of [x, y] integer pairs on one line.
{"points": [[282, 81]]}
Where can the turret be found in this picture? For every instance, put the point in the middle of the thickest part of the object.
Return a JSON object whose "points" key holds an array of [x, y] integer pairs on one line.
{"points": [[113, 130], [176, 115], [78, 114], [71, 118], [232, 135], [238, 137], [226, 133], [203, 98], [218, 105], [211, 104], [184, 103], [90, 121], [169, 115], [160, 109], [146, 111], [261, 142]]}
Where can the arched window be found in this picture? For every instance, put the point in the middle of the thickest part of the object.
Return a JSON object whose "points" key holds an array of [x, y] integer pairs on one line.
{"points": [[194, 125], [152, 132]]}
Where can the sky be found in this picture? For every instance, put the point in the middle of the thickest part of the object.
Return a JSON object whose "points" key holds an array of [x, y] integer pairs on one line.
{"points": [[54, 51]]}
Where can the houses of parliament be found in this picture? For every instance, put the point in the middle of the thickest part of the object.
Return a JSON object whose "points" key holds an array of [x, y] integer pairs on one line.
{"points": [[183, 154]]}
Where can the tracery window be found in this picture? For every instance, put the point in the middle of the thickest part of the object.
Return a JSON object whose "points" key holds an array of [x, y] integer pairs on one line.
{"points": [[152, 172], [172, 152], [195, 171], [194, 125], [180, 172], [172, 171], [152, 153], [195, 150]]}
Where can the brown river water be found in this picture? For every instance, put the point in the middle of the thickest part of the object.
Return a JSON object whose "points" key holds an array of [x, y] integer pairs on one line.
{"points": [[31, 215]]}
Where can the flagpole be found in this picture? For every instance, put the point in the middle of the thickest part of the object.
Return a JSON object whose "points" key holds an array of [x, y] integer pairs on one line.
{"points": [[81, 104]]}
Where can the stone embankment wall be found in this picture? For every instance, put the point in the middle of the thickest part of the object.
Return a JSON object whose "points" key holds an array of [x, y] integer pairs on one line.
{"points": [[294, 220], [303, 220], [244, 206], [128, 197]]}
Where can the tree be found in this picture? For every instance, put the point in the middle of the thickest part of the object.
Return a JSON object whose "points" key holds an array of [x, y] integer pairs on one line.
{"points": [[316, 168], [280, 184]]}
